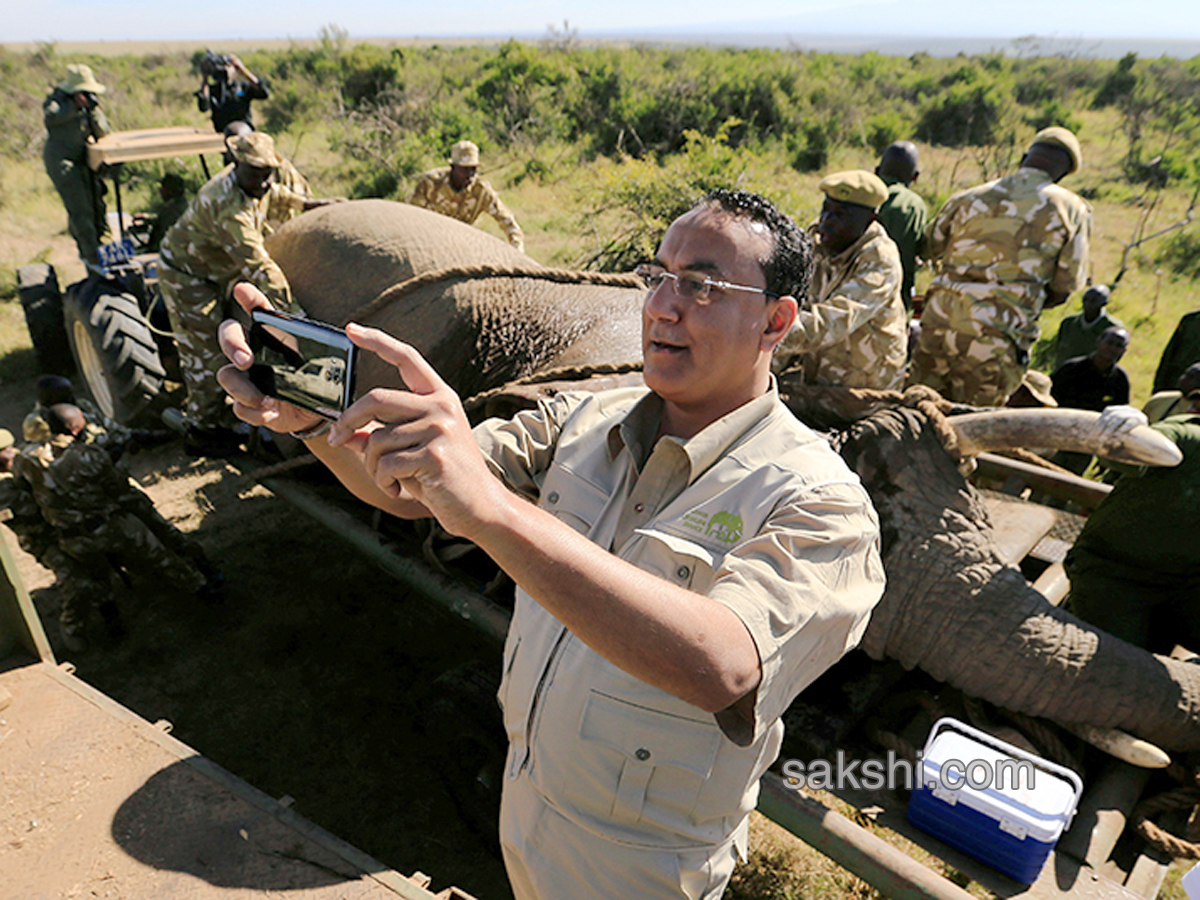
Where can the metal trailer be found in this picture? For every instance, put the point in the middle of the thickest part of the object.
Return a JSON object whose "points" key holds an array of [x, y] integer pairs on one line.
{"points": [[1082, 866], [99, 801]]}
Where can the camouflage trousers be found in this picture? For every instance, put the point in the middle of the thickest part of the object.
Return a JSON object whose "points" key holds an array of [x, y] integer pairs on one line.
{"points": [[197, 306], [149, 548], [979, 370], [83, 197]]}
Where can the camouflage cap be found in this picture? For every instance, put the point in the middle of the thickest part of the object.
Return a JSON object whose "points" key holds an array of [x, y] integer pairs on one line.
{"points": [[36, 429], [464, 153], [1057, 136], [6, 439], [80, 80], [856, 186], [254, 149]]}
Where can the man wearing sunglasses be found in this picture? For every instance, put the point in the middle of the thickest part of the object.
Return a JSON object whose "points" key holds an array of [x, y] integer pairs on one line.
{"points": [[855, 333], [687, 555]]}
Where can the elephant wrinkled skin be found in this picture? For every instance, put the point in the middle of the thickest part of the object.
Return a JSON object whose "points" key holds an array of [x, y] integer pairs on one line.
{"points": [[482, 312]]}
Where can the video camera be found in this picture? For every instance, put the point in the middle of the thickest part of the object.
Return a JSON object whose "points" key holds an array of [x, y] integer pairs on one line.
{"points": [[213, 65]]}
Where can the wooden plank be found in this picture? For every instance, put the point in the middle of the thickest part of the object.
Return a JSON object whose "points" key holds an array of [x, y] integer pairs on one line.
{"points": [[1018, 526], [1087, 494], [98, 801], [153, 143]]}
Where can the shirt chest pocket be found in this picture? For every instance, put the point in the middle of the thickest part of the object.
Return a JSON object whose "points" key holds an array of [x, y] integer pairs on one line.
{"points": [[675, 559], [570, 498], [650, 757]]}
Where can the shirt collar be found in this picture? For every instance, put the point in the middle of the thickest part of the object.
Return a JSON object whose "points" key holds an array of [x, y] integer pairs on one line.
{"points": [[636, 431]]}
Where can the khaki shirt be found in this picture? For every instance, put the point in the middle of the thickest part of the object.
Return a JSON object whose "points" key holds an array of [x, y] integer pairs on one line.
{"points": [[435, 192], [855, 333], [1001, 247], [757, 512], [220, 237]]}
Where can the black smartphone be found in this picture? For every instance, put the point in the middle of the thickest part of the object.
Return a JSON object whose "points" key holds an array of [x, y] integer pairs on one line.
{"points": [[307, 363]]}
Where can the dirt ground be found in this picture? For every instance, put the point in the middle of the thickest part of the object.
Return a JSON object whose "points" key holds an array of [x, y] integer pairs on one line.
{"points": [[308, 680]]}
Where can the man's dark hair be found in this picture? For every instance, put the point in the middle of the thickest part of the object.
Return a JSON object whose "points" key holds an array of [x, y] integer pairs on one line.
{"points": [[788, 267], [172, 185], [52, 389]]}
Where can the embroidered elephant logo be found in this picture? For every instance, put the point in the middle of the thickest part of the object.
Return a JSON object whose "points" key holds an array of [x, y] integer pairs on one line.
{"points": [[725, 527]]}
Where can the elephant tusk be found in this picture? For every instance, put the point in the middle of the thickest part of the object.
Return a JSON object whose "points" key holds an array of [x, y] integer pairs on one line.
{"points": [[1060, 429], [1126, 747]]}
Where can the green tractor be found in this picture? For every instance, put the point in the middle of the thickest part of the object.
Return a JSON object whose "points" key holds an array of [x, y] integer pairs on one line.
{"points": [[112, 326]]}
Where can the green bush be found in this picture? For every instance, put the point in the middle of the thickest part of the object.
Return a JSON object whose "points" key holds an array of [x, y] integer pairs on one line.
{"points": [[1181, 253], [967, 112]]}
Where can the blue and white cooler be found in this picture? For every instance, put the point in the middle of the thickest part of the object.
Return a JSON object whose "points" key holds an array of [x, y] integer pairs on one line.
{"points": [[1013, 824]]}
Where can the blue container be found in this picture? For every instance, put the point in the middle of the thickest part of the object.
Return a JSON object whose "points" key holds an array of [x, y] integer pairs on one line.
{"points": [[993, 801]]}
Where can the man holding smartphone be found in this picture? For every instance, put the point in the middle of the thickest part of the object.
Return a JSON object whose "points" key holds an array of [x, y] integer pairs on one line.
{"points": [[688, 557]]}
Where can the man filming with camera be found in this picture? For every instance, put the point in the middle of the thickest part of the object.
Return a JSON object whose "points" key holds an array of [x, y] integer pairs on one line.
{"points": [[226, 95], [74, 119]]}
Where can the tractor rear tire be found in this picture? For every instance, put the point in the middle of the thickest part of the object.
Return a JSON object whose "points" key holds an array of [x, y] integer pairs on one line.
{"points": [[115, 352], [37, 285]]}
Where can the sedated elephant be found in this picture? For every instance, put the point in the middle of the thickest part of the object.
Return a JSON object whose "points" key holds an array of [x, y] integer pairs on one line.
{"points": [[482, 312], [485, 314]]}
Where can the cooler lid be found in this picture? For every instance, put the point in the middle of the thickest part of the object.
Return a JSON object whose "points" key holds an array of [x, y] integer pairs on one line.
{"points": [[1032, 795]]}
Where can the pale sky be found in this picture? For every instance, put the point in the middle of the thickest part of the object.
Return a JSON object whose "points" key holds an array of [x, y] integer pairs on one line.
{"points": [[120, 20]]}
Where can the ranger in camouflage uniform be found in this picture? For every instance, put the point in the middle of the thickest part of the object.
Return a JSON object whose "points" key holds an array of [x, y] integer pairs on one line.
{"points": [[80, 586], [855, 331], [103, 519], [1008, 249], [74, 119], [457, 191], [215, 244]]}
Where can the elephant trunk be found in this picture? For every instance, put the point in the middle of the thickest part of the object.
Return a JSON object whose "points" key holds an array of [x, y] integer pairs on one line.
{"points": [[953, 609], [1060, 429]]}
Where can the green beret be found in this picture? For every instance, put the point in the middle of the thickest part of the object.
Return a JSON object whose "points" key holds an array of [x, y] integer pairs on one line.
{"points": [[856, 186], [1057, 136]]}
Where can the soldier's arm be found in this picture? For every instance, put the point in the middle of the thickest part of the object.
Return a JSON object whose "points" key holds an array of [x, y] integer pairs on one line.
{"points": [[1070, 273], [505, 219], [862, 296], [938, 237], [420, 196], [244, 243], [57, 111]]}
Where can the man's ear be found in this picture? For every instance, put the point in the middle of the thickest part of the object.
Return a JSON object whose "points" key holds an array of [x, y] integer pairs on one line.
{"points": [[780, 318]]}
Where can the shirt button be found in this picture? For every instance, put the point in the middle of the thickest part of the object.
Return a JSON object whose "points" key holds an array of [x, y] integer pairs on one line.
{"points": [[642, 753], [553, 498], [638, 507], [682, 572]]}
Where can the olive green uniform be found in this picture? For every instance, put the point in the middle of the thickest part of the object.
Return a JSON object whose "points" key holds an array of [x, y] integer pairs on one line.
{"points": [[68, 132], [1181, 351], [214, 245], [855, 333], [1002, 246], [435, 192], [1078, 337], [905, 217], [1135, 569]]}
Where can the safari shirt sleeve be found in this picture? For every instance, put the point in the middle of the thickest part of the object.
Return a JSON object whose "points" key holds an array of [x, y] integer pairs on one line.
{"points": [[519, 450], [804, 587]]}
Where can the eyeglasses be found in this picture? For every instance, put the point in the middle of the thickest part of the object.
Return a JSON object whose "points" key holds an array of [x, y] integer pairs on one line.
{"points": [[690, 287]]}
